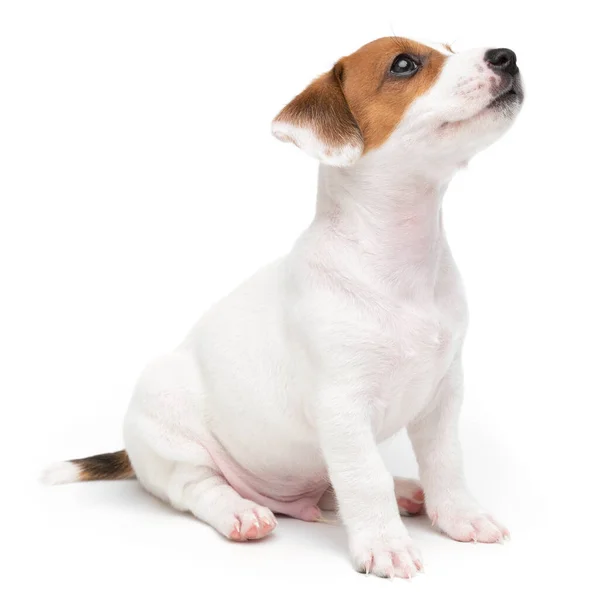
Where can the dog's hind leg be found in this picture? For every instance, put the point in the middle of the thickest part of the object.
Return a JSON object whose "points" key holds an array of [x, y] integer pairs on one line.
{"points": [[409, 496], [163, 437], [204, 492]]}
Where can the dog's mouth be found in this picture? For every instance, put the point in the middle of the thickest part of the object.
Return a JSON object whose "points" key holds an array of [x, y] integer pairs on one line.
{"points": [[506, 99], [514, 94]]}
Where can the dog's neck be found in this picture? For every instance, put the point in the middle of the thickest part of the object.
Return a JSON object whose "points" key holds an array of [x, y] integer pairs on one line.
{"points": [[394, 218]]}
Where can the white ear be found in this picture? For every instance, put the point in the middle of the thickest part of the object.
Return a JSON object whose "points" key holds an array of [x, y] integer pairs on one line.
{"points": [[320, 122]]}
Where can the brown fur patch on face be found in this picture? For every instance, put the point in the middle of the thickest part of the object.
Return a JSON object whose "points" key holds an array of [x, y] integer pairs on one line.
{"points": [[114, 465], [449, 48], [378, 99]]}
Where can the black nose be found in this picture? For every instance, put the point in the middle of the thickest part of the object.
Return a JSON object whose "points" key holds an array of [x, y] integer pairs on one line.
{"points": [[502, 59]]}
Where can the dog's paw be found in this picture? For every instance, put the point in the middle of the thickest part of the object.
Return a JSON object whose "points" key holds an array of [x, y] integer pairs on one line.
{"points": [[386, 556], [468, 524], [250, 523], [409, 496]]}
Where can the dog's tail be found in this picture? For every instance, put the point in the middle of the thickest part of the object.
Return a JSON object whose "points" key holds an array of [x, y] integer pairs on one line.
{"points": [[115, 465]]}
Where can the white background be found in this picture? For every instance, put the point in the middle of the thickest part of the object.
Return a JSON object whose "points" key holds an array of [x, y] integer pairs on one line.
{"points": [[139, 183]]}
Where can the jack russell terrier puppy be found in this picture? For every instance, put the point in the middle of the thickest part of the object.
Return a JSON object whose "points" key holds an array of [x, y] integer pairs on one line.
{"points": [[277, 399]]}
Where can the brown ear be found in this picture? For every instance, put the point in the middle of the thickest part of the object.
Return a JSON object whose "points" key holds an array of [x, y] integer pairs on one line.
{"points": [[319, 121]]}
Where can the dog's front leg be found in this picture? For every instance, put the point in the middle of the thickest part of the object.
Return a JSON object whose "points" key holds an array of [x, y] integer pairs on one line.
{"points": [[434, 437], [379, 541]]}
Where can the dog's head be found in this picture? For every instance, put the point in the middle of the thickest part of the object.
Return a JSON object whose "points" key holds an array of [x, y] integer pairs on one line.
{"points": [[402, 97]]}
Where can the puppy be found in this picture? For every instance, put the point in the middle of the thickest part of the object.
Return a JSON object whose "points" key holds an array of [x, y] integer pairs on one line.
{"points": [[277, 399]]}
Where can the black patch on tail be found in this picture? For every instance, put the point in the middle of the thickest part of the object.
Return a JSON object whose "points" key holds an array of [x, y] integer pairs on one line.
{"points": [[114, 465]]}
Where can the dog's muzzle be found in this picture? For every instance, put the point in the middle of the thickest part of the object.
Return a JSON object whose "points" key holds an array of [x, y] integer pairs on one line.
{"points": [[503, 61]]}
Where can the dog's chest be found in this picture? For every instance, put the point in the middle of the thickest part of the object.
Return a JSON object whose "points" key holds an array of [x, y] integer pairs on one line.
{"points": [[419, 346]]}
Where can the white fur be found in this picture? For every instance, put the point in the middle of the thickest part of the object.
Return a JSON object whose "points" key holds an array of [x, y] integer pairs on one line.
{"points": [[289, 383], [438, 46], [61, 472], [304, 138]]}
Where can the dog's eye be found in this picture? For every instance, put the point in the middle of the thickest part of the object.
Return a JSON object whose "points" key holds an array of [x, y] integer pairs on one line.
{"points": [[404, 66]]}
